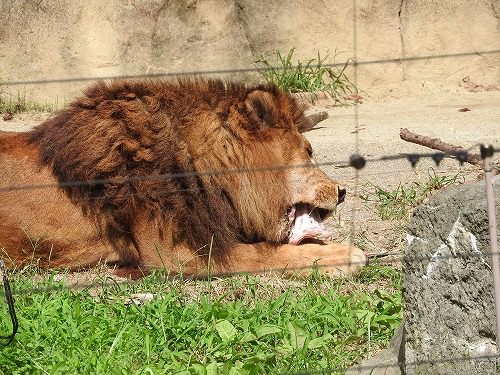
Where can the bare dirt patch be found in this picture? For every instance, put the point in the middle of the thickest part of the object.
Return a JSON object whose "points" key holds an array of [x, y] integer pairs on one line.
{"points": [[372, 130]]}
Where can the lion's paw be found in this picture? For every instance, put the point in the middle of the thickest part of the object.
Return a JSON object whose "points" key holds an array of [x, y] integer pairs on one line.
{"points": [[337, 259]]}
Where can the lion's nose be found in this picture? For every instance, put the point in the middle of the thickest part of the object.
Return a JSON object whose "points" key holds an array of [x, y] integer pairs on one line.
{"points": [[342, 192]]}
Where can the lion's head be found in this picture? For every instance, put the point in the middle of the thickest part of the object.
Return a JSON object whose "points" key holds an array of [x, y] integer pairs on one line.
{"points": [[277, 192]]}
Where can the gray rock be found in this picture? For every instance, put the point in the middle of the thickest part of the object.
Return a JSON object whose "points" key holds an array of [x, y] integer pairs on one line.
{"points": [[448, 285], [449, 318], [388, 362]]}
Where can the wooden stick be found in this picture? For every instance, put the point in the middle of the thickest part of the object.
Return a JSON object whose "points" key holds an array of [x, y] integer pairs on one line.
{"points": [[314, 118], [437, 144]]}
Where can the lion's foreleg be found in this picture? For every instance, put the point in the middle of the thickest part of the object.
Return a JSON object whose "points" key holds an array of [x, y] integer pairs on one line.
{"points": [[332, 259]]}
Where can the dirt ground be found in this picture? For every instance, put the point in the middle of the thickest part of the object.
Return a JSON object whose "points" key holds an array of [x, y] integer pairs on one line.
{"points": [[372, 130]]}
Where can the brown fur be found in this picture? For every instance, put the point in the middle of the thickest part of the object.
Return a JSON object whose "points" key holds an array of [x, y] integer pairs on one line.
{"points": [[165, 174]]}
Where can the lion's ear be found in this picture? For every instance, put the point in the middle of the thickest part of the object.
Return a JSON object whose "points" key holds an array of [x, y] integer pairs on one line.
{"points": [[261, 108]]}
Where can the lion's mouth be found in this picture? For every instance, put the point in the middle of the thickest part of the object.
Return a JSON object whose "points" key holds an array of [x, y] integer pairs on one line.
{"points": [[306, 222]]}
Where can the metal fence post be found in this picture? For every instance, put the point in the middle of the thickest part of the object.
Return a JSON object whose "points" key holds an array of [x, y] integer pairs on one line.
{"points": [[486, 154]]}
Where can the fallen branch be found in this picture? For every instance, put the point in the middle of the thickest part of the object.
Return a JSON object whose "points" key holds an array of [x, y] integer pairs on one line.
{"points": [[437, 144]]}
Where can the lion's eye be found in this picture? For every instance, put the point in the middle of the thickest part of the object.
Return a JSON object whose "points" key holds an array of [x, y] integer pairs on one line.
{"points": [[309, 152]]}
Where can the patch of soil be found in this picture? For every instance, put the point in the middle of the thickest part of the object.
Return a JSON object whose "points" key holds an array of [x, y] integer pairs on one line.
{"points": [[372, 130]]}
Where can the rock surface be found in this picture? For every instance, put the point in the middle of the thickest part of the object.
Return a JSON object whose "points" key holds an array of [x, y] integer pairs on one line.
{"points": [[447, 285], [388, 362], [449, 318]]}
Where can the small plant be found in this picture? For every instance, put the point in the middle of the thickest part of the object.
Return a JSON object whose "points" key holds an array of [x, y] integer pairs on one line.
{"points": [[397, 204], [18, 103], [310, 77]]}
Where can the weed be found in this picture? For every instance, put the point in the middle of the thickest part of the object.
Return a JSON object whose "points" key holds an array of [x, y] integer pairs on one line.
{"points": [[310, 77], [397, 204], [18, 103]]}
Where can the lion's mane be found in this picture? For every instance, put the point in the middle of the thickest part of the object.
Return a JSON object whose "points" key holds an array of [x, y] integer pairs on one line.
{"points": [[124, 149]]}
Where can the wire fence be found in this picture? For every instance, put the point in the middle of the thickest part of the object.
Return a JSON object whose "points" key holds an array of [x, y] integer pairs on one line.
{"points": [[355, 161], [217, 72]]}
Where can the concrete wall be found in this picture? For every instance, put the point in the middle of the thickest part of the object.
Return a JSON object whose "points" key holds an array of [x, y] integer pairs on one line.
{"points": [[64, 39]]}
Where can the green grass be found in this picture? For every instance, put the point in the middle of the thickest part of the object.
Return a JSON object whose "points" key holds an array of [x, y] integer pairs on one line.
{"points": [[307, 77], [397, 204], [237, 325], [18, 103]]}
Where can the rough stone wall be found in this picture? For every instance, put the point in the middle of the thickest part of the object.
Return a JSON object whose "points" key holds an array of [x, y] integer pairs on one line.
{"points": [[63, 39], [447, 285]]}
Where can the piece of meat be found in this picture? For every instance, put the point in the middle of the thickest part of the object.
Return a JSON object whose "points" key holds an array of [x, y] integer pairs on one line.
{"points": [[306, 223]]}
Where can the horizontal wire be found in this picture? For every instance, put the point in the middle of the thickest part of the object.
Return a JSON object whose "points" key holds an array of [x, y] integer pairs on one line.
{"points": [[340, 167], [159, 194], [246, 70], [173, 176]]}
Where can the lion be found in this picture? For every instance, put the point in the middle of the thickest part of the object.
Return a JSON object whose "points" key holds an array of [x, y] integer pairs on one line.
{"points": [[189, 176]]}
